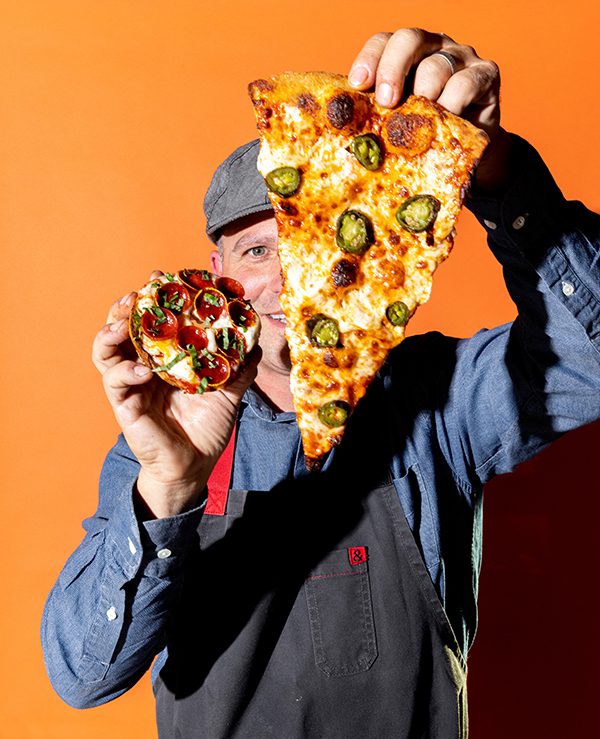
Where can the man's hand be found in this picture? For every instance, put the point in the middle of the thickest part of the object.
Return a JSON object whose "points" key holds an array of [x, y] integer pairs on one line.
{"points": [[406, 61], [177, 438]]}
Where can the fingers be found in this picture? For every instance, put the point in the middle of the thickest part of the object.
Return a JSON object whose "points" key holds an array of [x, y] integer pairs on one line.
{"points": [[387, 59], [477, 83], [120, 308], [121, 377]]}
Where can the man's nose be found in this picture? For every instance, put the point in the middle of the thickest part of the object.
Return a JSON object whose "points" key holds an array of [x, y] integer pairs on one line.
{"points": [[276, 279]]}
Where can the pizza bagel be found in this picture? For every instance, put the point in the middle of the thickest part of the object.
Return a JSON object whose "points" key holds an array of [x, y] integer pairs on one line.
{"points": [[194, 329]]}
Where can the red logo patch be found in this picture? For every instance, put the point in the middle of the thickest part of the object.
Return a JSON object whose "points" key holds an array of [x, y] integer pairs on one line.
{"points": [[357, 555]]}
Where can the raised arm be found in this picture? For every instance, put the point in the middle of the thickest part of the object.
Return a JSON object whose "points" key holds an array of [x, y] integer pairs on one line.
{"points": [[105, 618]]}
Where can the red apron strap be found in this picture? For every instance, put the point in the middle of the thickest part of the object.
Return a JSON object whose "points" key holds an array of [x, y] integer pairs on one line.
{"points": [[219, 481]]}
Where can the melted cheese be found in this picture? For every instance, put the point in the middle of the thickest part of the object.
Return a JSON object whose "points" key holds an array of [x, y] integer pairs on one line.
{"points": [[398, 266]]}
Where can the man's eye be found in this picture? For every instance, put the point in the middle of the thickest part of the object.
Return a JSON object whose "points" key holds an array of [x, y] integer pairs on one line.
{"points": [[258, 251]]}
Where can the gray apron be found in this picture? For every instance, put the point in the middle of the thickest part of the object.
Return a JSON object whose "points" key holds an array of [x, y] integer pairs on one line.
{"points": [[306, 613]]}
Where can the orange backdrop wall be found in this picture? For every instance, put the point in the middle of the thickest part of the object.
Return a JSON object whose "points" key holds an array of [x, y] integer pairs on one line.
{"points": [[113, 114]]}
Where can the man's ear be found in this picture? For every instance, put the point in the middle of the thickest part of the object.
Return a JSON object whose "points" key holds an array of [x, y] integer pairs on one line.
{"points": [[216, 262]]}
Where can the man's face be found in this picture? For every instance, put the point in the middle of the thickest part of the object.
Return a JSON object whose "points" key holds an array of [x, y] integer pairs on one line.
{"points": [[250, 256]]}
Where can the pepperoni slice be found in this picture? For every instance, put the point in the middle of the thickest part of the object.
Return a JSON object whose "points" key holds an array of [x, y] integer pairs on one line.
{"points": [[159, 323], [230, 288], [241, 314], [214, 367], [197, 278], [209, 304], [193, 335], [174, 296], [231, 343]]}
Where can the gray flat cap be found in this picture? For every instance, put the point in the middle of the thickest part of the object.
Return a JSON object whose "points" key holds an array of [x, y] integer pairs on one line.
{"points": [[237, 189]]}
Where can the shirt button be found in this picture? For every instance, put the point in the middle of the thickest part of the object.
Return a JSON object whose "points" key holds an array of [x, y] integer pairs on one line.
{"points": [[519, 222], [490, 224], [163, 553], [111, 614], [568, 289]]}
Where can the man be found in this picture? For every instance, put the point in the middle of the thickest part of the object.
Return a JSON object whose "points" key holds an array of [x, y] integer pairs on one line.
{"points": [[342, 603]]}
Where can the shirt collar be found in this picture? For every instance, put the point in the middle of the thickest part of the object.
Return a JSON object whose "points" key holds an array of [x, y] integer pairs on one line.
{"points": [[252, 402]]}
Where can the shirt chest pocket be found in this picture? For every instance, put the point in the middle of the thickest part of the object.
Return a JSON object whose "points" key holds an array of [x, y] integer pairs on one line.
{"points": [[340, 611]]}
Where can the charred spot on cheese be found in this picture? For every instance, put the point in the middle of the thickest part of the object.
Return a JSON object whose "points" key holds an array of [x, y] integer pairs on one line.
{"points": [[286, 207], [354, 232], [343, 273], [323, 331], [307, 102], [340, 110], [398, 313], [418, 213], [368, 151], [261, 85], [334, 414], [329, 359], [283, 181], [411, 132]]}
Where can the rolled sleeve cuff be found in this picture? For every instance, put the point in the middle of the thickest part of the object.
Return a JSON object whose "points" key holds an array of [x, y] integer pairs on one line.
{"points": [[167, 541], [533, 220]]}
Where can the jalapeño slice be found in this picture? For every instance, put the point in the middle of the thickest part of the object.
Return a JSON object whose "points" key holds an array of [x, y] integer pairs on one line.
{"points": [[323, 331], [398, 313], [283, 181], [354, 232], [418, 213], [368, 151], [334, 414]]}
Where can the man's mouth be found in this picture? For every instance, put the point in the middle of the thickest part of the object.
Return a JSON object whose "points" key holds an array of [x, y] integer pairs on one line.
{"points": [[277, 317]]}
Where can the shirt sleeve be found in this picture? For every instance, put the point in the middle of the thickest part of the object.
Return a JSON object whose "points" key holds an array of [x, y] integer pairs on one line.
{"points": [[506, 393], [105, 618]]}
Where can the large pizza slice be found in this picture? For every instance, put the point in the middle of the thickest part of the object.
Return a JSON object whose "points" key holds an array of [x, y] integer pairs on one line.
{"points": [[366, 200]]}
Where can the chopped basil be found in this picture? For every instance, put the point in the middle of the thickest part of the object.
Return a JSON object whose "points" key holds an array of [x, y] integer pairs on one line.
{"points": [[242, 318], [137, 319], [170, 364], [156, 284], [202, 386], [169, 277], [225, 336], [211, 299], [176, 303], [239, 347], [194, 355], [159, 314], [206, 275]]}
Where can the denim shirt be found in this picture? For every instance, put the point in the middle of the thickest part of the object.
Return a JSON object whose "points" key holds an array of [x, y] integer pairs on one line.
{"points": [[456, 412]]}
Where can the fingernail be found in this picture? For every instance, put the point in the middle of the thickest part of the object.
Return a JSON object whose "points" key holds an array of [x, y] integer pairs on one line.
{"points": [[141, 370], [117, 325], [125, 298], [384, 94], [358, 76]]}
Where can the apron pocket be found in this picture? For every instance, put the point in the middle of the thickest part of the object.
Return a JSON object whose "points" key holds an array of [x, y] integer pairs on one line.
{"points": [[340, 612]]}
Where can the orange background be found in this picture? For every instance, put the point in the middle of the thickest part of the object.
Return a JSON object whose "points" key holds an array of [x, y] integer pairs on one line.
{"points": [[113, 114]]}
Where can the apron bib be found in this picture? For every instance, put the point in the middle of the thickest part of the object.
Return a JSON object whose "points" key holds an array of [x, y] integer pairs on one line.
{"points": [[306, 612]]}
